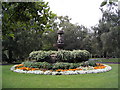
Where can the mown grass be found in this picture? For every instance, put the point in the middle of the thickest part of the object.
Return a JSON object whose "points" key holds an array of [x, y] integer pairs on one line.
{"points": [[0, 77], [109, 60], [101, 80]]}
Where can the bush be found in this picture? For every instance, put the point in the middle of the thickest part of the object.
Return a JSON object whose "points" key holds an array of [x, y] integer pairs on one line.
{"points": [[61, 56], [55, 66], [44, 65], [88, 63], [62, 65]]}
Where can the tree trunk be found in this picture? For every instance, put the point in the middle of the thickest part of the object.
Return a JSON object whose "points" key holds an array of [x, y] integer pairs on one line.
{"points": [[105, 54], [10, 54]]}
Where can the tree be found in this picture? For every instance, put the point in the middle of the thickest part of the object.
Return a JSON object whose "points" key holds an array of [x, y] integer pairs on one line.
{"points": [[73, 35], [23, 25], [107, 32]]}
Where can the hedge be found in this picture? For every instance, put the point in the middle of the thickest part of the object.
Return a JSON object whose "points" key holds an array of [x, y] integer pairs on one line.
{"points": [[61, 56], [57, 65], [54, 66]]}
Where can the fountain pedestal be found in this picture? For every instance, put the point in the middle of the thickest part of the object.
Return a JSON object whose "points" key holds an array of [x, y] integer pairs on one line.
{"points": [[60, 45]]}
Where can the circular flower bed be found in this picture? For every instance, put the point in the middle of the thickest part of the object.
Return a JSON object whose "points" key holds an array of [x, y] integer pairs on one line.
{"points": [[79, 70]]}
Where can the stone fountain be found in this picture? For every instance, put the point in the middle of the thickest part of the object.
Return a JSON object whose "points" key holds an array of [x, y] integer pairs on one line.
{"points": [[60, 44]]}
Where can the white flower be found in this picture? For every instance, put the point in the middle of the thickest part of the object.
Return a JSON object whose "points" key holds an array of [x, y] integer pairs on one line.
{"points": [[66, 73], [47, 72], [61, 73], [86, 70], [54, 73], [89, 71], [13, 67]]}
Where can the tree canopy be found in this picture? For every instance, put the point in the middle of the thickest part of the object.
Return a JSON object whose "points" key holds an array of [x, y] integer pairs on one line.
{"points": [[31, 26], [22, 26]]}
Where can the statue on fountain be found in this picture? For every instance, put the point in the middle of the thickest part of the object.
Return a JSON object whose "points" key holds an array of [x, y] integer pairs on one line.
{"points": [[60, 41]]}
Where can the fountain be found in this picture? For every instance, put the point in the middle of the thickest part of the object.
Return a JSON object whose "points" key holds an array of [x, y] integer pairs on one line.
{"points": [[60, 45], [58, 62]]}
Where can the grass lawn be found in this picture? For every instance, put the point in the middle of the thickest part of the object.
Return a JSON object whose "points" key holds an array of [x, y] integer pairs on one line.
{"points": [[109, 60], [101, 80]]}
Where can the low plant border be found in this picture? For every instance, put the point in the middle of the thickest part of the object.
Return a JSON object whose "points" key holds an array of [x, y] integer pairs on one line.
{"points": [[49, 72]]}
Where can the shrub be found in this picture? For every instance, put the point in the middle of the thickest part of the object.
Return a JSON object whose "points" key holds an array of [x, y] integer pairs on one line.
{"points": [[89, 63], [39, 55], [62, 65], [61, 56], [46, 65]]}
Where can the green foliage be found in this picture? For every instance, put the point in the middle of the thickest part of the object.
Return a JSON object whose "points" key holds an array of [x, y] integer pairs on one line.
{"points": [[62, 55], [62, 65], [73, 56], [89, 63], [41, 55], [24, 31], [106, 35], [103, 3], [25, 15], [108, 2], [23, 24], [46, 65], [74, 35], [43, 65]]}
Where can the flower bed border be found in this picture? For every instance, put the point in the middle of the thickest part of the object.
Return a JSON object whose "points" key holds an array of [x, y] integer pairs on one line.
{"points": [[48, 72]]}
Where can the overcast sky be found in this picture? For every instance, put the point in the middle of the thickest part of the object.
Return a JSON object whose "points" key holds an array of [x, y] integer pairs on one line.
{"points": [[85, 12]]}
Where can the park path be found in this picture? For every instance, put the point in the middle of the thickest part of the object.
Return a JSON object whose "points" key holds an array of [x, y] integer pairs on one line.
{"points": [[97, 59]]}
